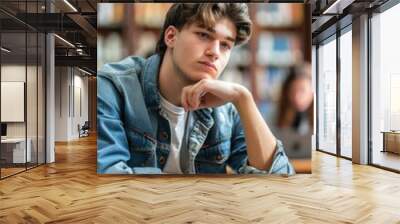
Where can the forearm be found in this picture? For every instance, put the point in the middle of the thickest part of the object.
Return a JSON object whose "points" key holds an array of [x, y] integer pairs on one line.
{"points": [[260, 141]]}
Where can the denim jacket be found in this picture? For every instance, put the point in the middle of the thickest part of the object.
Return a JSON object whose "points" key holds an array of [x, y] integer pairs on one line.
{"points": [[134, 137]]}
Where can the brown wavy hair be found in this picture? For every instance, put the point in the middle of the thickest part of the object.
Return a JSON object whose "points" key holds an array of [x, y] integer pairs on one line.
{"points": [[207, 14]]}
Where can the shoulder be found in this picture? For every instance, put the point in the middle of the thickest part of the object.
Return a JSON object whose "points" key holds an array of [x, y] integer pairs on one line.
{"points": [[128, 66], [121, 74]]}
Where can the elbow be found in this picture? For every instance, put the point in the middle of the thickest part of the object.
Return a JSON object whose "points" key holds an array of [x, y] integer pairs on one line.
{"points": [[261, 165]]}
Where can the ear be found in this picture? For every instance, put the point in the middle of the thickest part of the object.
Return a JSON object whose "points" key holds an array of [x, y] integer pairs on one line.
{"points": [[170, 36]]}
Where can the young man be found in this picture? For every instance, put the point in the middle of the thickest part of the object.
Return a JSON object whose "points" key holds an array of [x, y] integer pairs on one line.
{"points": [[170, 114]]}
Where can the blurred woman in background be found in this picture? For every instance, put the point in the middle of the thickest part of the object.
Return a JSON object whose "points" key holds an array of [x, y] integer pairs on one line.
{"points": [[296, 102]]}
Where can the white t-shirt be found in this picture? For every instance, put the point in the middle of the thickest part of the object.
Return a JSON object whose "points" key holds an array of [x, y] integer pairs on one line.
{"points": [[177, 118]]}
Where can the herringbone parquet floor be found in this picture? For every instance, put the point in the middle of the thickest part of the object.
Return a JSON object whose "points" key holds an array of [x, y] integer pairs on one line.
{"points": [[70, 191]]}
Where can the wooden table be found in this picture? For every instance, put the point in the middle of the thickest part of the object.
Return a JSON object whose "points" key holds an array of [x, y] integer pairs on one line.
{"points": [[391, 141], [301, 165], [13, 150]]}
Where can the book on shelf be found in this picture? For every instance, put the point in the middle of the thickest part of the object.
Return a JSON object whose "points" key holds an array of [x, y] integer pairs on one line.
{"points": [[110, 15], [151, 15], [279, 15], [109, 49], [277, 49], [270, 83]]}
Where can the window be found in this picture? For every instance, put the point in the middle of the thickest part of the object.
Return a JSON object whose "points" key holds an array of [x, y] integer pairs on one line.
{"points": [[22, 78], [13, 74], [327, 96], [385, 88], [346, 93]]}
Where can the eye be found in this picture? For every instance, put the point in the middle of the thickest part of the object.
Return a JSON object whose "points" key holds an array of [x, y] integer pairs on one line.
{"points": [[225, 46], [203, 35]]}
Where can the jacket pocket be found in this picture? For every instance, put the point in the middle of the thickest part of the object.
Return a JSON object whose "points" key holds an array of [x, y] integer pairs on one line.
{"points": [[215, 154], [142, 149], [140, 142]]}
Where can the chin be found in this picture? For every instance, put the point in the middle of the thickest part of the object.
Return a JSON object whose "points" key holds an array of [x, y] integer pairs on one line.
{"points": [[302, 109], [200, 76], [208, 76]]}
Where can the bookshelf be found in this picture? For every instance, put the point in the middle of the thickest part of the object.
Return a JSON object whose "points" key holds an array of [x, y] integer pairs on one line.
{"points": [[280, 40], [127, 29]]}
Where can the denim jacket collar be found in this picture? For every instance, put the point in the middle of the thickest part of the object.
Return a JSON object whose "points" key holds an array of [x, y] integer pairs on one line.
{"points": [[150, 82]]}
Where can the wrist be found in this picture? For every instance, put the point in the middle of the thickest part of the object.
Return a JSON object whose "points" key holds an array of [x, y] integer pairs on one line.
{"points": [[243, 97]]}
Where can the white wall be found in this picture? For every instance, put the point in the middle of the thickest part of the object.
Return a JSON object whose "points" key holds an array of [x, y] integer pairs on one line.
{"points": [[70, 83], [61, 103], [13, 100], [17, 73], [33, 126], [50, 95]]}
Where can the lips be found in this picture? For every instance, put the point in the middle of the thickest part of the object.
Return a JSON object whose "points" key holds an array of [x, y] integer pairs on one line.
{"points": [[209, 65]]}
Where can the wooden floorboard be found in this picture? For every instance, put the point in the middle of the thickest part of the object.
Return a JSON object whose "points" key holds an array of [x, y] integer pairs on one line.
{"points": [[70, 191]]}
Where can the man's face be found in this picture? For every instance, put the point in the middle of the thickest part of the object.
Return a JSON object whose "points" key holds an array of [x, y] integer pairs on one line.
{"points": [[200, 53]]}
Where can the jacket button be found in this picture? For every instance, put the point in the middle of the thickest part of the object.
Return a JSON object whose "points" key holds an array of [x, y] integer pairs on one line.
{"points": [[164, 135], [162, 160], [219, 157]]}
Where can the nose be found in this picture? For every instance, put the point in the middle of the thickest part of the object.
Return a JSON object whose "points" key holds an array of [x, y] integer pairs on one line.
{"points": [[213, 50]]}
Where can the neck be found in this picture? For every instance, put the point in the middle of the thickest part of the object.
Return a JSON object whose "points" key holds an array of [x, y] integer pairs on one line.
{"points": [[170, 81]]}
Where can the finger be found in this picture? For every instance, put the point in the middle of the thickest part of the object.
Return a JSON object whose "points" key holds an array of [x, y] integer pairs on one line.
{"points": [[201, 91], [198, 92], [204, 102], [189, 100], [184, 99], [193, 99], [188, 96]]}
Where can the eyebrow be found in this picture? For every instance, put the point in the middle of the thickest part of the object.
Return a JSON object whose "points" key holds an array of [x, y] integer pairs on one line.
{"points": [[212, 30]]}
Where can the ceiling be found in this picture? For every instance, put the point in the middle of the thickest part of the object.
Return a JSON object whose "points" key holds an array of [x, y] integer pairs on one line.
{"points": [[330, 15], [72, 20], [76, 22]]}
